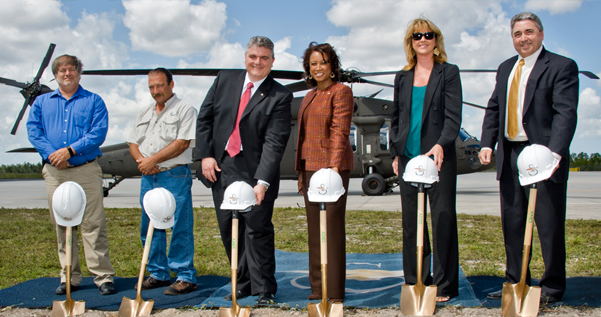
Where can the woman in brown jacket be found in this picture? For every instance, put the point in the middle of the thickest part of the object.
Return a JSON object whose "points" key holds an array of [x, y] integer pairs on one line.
{"points": [[324, 124]]}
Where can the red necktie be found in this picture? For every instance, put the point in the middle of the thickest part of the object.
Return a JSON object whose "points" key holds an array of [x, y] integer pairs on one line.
{"points": [[233, 146]]}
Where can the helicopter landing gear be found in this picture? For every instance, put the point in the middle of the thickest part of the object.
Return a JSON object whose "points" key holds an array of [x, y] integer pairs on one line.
{"points": [[374, 185], [117, 180]]}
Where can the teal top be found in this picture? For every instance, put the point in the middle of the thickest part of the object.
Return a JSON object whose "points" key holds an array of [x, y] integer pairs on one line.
{"points": [[413, 145]]}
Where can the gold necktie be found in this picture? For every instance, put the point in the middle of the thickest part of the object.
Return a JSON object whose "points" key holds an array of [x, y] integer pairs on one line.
{"points": [[512, 102]]}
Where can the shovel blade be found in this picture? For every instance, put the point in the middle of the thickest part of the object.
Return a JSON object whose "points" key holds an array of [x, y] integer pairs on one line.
{"points": [[68, 308], [234, 312], [418, 301], [135, 307], [325, 309], [520, 300]]}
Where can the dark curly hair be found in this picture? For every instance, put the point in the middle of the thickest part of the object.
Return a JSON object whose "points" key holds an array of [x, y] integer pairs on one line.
{"points": [[329, 55]]}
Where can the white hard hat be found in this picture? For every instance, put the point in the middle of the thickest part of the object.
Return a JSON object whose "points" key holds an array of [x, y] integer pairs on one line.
{"points": [[238, 196], [68, 204], [325, 186], [421, 169], [536, 163], [159, 205]]}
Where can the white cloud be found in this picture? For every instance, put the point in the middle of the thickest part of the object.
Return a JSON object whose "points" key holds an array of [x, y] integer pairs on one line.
{"points": [[180, 29], [589, 114], [26, 30], [553, 6]]}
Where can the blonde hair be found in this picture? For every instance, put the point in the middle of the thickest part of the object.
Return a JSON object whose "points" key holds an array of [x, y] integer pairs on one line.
{"points": [[440, 56]]}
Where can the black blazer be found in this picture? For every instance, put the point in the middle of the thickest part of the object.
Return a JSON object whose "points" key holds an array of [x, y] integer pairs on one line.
{"points": [[441, 116], [550, 108], [264, 126]]}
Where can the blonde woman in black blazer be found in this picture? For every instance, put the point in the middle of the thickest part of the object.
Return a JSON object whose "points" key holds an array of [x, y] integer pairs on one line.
{"points": [[430, 127]]}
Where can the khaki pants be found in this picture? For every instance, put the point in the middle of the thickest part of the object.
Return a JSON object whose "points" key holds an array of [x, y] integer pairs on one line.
{"points": [[93, 224]]}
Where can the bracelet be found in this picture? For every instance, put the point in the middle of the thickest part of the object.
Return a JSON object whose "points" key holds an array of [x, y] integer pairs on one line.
{"points": [[70, 151]]}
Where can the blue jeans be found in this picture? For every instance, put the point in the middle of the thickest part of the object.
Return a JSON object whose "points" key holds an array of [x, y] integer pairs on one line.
{"points": [[180, 259]]}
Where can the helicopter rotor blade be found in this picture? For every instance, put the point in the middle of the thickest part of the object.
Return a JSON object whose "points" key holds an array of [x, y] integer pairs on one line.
{"points": [[473, 105], [14, 130], [11, 82], [366, 81], [298, 86], [358, 75], [589, 74], [281, 74], [45, 62]]}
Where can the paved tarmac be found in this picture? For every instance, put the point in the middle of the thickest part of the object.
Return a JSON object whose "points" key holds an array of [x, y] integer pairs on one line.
{"points": [[477, 194]]}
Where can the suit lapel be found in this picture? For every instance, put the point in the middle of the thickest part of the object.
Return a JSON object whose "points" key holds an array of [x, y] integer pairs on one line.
{"points": [[306, 101], [433, 83], [502, 82], [406, 88], [237, 87], [259, 95], [541, 65]]}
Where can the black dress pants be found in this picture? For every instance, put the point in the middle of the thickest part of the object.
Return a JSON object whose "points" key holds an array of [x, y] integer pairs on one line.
{"points": [[442, 196], [256, 255], [549, 216]]}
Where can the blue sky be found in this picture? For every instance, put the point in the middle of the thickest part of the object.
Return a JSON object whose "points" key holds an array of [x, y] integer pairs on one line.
{"points": [[113, 34]]}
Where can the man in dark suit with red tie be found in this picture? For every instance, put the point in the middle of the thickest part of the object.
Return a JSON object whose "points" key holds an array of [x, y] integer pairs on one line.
{"points": [[242, 130], [534, 102]]}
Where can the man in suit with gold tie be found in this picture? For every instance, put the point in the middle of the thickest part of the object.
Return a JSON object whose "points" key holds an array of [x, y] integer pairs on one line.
{"points": [[534, 102], [242, 130]]}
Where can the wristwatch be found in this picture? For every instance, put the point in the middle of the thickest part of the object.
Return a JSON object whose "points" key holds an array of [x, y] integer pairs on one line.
{"points": [[264, 184]]}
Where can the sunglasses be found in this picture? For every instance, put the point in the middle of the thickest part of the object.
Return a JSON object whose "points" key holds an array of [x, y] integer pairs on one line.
{"points": [[418, 36]]}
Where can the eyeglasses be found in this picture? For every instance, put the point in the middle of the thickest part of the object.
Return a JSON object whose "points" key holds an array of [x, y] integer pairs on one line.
{"points": [[418, 36]]}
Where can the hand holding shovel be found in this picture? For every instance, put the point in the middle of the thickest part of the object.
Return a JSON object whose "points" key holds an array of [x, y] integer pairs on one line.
{"points": [[418, 299], [536, 163], [239, 196]]}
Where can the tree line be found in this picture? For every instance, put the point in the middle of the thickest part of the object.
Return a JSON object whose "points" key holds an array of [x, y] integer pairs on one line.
{"points": [[582, 160], [586, 162], [25, 168]]}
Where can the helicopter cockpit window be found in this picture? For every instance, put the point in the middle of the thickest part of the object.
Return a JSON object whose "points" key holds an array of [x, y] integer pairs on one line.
{"points": [[463, 135], [353, 137], [384, 137]]}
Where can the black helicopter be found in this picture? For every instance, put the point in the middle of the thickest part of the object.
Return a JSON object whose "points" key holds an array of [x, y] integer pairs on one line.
{"points": [[369, 131]]}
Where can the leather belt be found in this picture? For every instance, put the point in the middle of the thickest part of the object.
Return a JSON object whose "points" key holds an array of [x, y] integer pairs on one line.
{"points": [[164, 169], [518, 143], [90, 161]]}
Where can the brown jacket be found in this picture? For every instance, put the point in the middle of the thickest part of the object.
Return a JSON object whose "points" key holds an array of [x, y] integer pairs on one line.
{"points": [[325, 139]]}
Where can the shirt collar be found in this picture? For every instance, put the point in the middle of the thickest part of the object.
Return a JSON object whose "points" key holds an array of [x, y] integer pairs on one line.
{"points": [[256, 84], [169, 102], [57, 92], [530, 60]]}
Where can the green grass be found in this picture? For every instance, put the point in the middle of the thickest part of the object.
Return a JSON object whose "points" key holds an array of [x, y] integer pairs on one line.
{"points": [[28, 242]]}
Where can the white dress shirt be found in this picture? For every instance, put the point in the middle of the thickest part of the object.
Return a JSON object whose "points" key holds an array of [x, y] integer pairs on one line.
{"points": [[526, 70]]}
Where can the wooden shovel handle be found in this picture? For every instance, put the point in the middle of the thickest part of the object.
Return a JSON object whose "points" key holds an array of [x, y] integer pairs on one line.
{"points": [[147, 245]]}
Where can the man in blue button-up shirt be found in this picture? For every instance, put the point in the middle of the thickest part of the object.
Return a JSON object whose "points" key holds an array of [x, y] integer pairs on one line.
{"points": [[67, 127]]}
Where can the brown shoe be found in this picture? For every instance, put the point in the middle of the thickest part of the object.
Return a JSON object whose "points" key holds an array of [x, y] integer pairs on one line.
{"points": [[179, 288], [152, 282], [314, 296]]}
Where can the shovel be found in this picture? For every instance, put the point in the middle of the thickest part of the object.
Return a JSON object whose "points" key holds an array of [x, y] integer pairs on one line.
{"points": [[520, 299], [139, 307], [235, 311], [418, 299], [68, 307], [324, 308]]}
